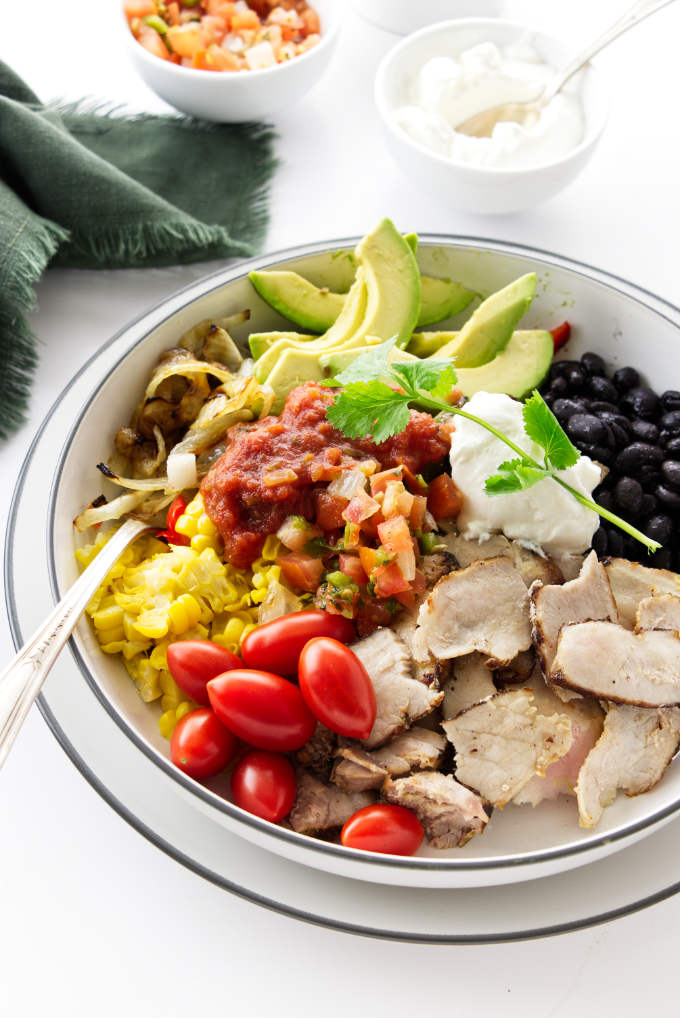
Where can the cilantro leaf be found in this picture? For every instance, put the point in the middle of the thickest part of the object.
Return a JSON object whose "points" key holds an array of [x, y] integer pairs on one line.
{"points": [[371, 364], [436, 377], [514, 475], [369, 409], [542, 426]]}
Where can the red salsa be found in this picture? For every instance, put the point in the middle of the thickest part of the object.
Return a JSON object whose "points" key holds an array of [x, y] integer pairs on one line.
{"points": [[279, 466]]}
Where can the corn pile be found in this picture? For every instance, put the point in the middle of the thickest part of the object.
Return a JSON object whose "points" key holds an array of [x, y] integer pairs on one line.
{"points": [[157, 594]]}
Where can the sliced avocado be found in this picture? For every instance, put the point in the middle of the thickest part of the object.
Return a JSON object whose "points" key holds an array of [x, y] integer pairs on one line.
{"points": [[292, 369], [441, 298], [311, 307], [336, 361], [426, 344], [259, 342], [489, 328], [412, 241], [522, 366]]}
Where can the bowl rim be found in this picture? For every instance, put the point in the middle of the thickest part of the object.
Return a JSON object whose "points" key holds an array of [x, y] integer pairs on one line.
{"points": [[591, 136], [328, 38], [194, 291]]}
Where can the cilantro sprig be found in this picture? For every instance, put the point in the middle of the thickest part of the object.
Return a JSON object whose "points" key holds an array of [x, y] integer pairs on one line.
{"points": [[367, 406]]}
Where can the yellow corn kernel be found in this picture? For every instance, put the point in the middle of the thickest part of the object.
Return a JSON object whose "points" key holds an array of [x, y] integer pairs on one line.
{"points": [[186, 525], [271, 549], [247, 629], [223, 642], [196, 507], [233, 630], [110, 635], [200, 542], [132, 648], [185, 707], [108, 617], [116, 647], [166, 724], [258, 596], [206, 526], [147, 681], [184, 613], [153, 624]]}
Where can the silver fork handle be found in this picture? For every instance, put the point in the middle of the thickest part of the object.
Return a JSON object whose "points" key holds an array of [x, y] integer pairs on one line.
{"points": [[638, 12], [21, 680]]}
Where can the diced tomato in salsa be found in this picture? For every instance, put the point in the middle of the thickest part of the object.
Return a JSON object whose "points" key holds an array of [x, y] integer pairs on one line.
{"points": [[444, 500]]}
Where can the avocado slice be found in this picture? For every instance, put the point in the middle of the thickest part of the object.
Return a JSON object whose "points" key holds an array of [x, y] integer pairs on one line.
{"points": [[426, 344], [259, 342], [311, 307], [441, 298], [292, 368], [489, 328], [336, 361], [520, 367]]}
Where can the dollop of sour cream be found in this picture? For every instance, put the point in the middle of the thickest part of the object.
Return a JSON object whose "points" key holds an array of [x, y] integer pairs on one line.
{"points": [[544, 517], [446, 91]]}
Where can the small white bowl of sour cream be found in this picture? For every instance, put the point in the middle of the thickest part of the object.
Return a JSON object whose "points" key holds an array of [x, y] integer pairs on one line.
{"points": [[435, 79]]}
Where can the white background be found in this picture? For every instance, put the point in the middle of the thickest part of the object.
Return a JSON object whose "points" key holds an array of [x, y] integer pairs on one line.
{"points": [[93, 919]]}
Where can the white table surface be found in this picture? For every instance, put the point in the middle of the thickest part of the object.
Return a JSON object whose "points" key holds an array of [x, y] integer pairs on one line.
{"points": [[93, 919]]}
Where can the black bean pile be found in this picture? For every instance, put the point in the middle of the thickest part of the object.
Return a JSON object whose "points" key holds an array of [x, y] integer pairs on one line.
{"points": [[636, 434]]}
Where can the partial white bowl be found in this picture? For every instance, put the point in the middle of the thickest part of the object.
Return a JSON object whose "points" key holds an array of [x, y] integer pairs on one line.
{"points": [[235, 96], [403, 16], [625, 324], [486, 190]]}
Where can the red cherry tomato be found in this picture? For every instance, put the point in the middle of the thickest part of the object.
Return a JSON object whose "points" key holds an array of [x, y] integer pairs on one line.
{"points": [[192, 663], [336, 687], [383, 828], [276, 646], [264, 784], [176, 509], [200, 745], [262, 709]]}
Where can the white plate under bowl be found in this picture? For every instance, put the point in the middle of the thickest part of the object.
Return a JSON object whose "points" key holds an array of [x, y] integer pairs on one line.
{"points": [[620, 321], [151, 802]]}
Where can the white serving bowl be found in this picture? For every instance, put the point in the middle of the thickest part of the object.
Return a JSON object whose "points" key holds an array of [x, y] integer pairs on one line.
{"points": [[625, 324], [472, 188], [235, 96], [403, 16]]}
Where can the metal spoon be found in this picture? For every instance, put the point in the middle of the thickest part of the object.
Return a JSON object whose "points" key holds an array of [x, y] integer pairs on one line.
{"points": [[481, 125], [22, 679]]}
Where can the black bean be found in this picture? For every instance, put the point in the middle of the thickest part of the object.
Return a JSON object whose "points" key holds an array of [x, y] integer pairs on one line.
{"points": [[586, 428], [659, 527], [625, 378], [670, 399], [614, 542], [644, 431], [601, 453], [557, 369], [630, 547], [566, 408], [670, 422], [593, 363], [649, 504], [640, 401], [599, 542], [637, 455], [549, 399], [602, 388], [599, 407], [628, 495], [661, 559], [672, 446], [671, 472], [605, 499], [575, 378], [668, 496], [559, 387]]}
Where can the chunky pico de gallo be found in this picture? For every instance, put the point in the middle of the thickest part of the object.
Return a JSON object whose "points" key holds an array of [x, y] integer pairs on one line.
{"points": [[224, 35]]}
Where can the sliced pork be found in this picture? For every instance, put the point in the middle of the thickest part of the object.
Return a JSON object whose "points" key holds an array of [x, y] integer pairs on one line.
{"points": [[580, 600], [484, 607], [529, 564], [660, 612], [450, 814], [605, 660], [431, 672], [631, 582], [318, 753], [320, 807], [436, 565], [470, 682], [503, 742], [415, 750], [400, 698], [632, 753]]}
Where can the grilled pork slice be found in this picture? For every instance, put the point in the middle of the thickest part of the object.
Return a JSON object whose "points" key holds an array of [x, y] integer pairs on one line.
{"points": [[320, 807], [520, 669], [400, 699], [632, 582], [632, 753], [529, 564], [416, 750], [484, 608], [503, 742], [470, 682], [586, 717], [580, 600], [431, 672], [605, 660], [436, 565], [450, 814], [660, 612], [317, 754]]}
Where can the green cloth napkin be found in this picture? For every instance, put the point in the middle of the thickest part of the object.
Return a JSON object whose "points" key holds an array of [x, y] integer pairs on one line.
{"points": [[81, 188]]}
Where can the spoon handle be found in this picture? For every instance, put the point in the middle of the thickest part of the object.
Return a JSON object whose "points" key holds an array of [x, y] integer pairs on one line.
{"points": [[638, 12], [21, 680]]}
